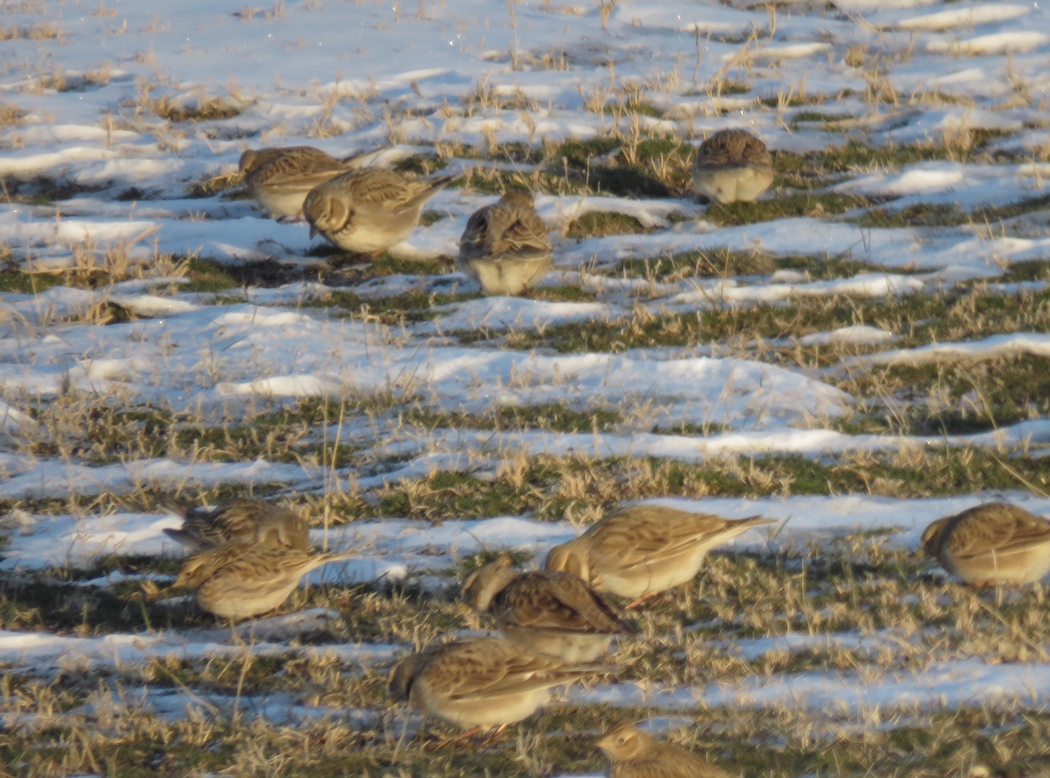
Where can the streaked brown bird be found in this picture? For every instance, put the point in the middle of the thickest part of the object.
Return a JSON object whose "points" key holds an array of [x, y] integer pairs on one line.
{"points": [[636, 754], [995, 543], [732, 166], [646, 549], [548, 613], [280, 178], [505, 246], [242, 520], [481, 683], [368, 211], [242, 580]]}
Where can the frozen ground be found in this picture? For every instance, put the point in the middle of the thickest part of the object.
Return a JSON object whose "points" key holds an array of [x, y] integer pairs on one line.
{"points": [[862, 351]]}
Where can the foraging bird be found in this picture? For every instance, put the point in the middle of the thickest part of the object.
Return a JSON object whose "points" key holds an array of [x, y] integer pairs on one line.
{"points": [[505, 246], [241, 580], [732, 166], [240, 521], [556, 614], [646, 549], [484, 682], [280, 178], [996, 543], [636, 754], [368, 211]]}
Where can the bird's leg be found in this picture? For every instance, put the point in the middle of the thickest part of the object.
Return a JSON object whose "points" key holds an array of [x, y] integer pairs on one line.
{"points": [[494, 737], [640, 600], [458, 740]]}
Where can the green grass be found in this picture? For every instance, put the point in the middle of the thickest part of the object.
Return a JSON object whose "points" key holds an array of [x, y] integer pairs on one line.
{"points": [[917, 319], [12, 280], [726, 263], [552, 417], [602, 224], [972, 397], [801, 118], [786, 206]]}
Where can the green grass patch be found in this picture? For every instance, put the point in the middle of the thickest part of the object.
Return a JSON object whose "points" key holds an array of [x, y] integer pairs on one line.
{"points": [[422, 164], [784, 206], [552, 417], [649, 167], [600, 224], [959, 398], [727, 263], [14, 280], [209, 275], [555, 487], [919, 215], [634, 106], [917, 319], [801, 118], [41, 190], [359, 268], [1028, 270]]}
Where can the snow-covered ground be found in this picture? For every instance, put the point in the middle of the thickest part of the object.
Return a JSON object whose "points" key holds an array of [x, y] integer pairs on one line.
{"points": [[106, 137]]}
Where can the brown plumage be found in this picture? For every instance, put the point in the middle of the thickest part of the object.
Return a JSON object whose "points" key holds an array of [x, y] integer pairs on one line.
{"points": [[368, 211], [240, 521], [548, 613], [505, 246], [635, 754], [996, 543], [280, 178], [242, 580], [484, 682], [645, 549], [732, 166]]}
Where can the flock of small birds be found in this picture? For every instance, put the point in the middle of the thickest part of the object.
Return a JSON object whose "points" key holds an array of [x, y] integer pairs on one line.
{"points": [[505, 247], [556, 623]]}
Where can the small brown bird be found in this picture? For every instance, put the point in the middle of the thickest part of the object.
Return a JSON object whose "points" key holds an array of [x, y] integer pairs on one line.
{"points": [[240, 521], [548, 613], [646, 549], [732, 166], [280, 178], [484, 682], [242, 580], [368, 211], [996, 543], [505, 246], [635, 754]]}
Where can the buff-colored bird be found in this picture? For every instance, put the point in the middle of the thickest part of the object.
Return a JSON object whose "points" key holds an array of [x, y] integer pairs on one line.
{"points": [[368, 211], [991, 544], [646, 549], [242, 580], [636, 754], [505, 246], [280, 178], [240, 521], [732, 166], [556, 614], [484, 682]]}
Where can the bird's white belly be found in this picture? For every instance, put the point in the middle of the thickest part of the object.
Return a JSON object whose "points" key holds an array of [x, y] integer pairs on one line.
{"points": [[474, 712]]}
